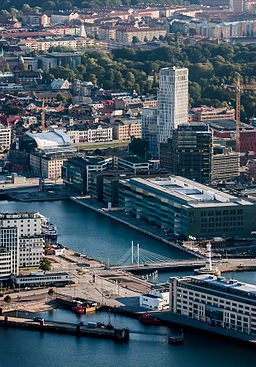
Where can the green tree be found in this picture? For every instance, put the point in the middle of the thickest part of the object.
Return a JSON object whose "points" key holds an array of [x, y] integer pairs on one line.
{"points": [[51, 292], [45, 264], [8, 299], [135, 39]]}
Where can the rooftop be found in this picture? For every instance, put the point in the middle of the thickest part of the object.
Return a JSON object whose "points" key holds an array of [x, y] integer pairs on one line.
{"points": [[223, 284], [189, 193], [227, 125], [49, 139]]}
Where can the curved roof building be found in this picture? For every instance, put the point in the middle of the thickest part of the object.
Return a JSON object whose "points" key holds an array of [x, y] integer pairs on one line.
{"points": [[49, 139]]}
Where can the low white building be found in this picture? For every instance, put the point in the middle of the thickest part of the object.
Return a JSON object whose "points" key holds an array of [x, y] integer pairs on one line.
{"points": [[151, 302], [39, 278], [155, 300]]}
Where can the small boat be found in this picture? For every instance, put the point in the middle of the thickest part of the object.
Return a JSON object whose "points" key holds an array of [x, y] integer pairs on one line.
{"points": [[148, 319], [78, 309], [178, 339]]}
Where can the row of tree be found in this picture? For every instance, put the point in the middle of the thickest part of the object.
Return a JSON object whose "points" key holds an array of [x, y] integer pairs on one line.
{"points": [[78, 4], [212, 68]]}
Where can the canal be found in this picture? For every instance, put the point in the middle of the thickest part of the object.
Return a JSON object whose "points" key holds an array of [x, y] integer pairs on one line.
{"points": [[89, 232], [100, 237]]}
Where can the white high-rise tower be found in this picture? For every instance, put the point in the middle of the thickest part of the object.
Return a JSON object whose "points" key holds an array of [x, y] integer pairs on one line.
{"points": [[172, 101]]}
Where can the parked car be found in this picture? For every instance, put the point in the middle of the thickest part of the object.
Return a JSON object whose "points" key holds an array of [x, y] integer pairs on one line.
{"points": [[38, 319]]}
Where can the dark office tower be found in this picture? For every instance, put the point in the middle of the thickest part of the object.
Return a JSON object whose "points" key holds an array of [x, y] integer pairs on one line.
{"points": [[189, 153]]}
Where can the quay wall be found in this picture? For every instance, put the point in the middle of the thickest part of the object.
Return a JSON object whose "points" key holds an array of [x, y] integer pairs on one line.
{"points": [[175, 320], [136, 228]]}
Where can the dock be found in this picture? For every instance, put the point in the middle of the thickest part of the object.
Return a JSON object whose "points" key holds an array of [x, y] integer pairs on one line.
{"points": [[119, 335]]}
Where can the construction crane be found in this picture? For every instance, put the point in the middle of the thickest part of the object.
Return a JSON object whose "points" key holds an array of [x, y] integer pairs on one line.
{"points": [[238, 87]]}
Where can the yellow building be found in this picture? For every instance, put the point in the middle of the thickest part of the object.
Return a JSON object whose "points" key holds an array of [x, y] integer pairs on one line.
{"points": [[124, 130]]}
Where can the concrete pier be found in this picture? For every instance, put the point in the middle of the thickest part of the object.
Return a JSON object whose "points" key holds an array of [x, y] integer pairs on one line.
{"points": [[121, 335]]}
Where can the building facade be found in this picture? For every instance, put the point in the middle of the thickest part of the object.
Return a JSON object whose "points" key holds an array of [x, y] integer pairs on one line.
{"points": [[77, 171], [5, 137], [149, 129], [210, 113], [90, 133], [188, 153], [172, 101], [184, 207], [124, 130], [225, 165], [215, 301], [9, 240], [48, 163], [22, 235]]}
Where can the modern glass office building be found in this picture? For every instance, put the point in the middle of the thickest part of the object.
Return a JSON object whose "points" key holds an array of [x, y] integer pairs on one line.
{"points": [[185, 207]]}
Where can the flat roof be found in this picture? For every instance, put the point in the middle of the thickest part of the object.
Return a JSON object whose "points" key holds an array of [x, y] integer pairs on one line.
{"points": [[189, 192], [39, 275], [222, 282], [227, 125]]}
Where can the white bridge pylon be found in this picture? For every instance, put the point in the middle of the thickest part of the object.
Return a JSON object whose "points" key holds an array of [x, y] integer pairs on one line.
{"points": [[137, 255]]}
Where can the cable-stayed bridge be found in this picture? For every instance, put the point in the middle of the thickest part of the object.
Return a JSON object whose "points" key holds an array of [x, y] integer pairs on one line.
{"points": [[138, 259]]}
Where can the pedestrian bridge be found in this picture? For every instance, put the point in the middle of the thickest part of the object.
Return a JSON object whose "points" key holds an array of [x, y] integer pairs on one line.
{"points": [[139, 260], [168, 265]]}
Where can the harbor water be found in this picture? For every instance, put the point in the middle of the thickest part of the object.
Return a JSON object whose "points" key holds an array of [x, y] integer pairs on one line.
{"points": [[89, 232]]}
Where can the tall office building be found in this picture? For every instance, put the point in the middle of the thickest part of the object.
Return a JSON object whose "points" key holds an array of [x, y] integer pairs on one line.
{"points": [[149, 128], [172, 101], [188, 153]]}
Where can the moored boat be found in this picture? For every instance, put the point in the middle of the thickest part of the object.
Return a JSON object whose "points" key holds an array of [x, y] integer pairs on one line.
{"points": [[148, 319], [78, 309], [176, 339]]}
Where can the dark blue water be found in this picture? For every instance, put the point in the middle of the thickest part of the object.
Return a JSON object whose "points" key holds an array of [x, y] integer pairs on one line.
{"points": [[100, 237], [89, 232], [29, 349]]}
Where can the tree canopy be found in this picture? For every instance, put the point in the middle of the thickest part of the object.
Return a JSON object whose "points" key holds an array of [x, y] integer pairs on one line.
{"points": [[212, 69]]}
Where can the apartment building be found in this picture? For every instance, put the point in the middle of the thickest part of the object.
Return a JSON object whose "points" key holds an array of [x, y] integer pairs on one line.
{"points": [[172, 101], [216, 301], [126, 35], [225, 164], [210, 113], [90, 133], [124, 130], [48, 163], [5, 137], [107, 33], [9, 241], [5, 263], [23, 231]]}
